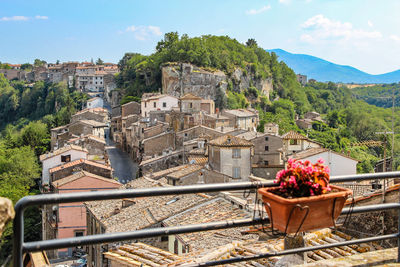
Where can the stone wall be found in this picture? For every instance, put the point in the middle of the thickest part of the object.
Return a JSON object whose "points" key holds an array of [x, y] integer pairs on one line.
{"points": [[158, 144], [179, 79], [130, 108], [374, 223]]}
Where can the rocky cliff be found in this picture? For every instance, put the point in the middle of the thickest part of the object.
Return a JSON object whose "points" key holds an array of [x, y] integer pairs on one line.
{"points": [[182, 78]]}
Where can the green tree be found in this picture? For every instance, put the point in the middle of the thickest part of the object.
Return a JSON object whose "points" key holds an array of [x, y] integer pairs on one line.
{"points": [[99, 61], [251, 43]]}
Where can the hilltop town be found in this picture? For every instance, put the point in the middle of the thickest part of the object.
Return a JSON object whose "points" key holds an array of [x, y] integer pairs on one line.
{"points": [[164, 121], [169, 138]]}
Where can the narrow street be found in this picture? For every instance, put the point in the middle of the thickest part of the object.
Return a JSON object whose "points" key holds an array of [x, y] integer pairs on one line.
{"points": [[124, 168]]}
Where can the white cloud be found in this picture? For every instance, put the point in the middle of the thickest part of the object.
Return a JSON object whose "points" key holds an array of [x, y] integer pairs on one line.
{"points": [[41, 17], [143, 32], [285, 2], [370, 23], [395, 38], [321, 28], [258, 11], [14, 18]]}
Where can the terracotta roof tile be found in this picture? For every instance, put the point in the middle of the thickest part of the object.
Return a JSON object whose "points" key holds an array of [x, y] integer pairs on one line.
{"points": [[189, 169], [145, 212], [293, 135], [77, 162], [82, 174], [230, 141], [140, 254], [217, 209]]}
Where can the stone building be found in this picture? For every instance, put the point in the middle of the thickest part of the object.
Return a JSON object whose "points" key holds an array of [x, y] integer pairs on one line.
{"points": [[231, 156], [131, 108], [267, 158], [59, 137], [191, 103], [70, 168], [59, 157], [112, 216], [302, 79], [271, 128], [216, 121], [179, 79], [155, 101], [196, 174], [245, 119], [294, 142], [87, 127], [93, 144], [98, 114]]}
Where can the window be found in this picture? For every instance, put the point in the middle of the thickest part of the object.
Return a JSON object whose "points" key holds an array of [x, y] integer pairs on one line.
{"points": [[235, 153], [252, 120], [266, 163], [164, 104], [266, 148], [293, 141], [155, 104], [145, 104], [186, 134], [78, 233], [236, 172], [66, 158], [191, 105], [266, 139]]}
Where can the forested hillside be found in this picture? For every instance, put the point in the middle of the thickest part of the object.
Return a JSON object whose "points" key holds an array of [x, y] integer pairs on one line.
{"points": [[379, 95], [348, 119], [27, 113]]}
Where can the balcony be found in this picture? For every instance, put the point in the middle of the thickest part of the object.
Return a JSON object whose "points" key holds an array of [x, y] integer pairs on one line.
{"points": [[21, 247]]}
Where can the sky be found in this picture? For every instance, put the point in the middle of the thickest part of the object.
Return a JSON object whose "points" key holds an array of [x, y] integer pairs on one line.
{"points": [[361, 33]]}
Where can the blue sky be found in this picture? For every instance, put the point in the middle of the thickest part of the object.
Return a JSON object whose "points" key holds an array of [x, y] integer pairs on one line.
{"points": [[361, 33]]}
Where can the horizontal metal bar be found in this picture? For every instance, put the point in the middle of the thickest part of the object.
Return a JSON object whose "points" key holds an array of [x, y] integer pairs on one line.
{"points": [[296, 250], [133, 235], [141, 192], [364, 176], [174, 190], [174, 230], [369, 208]]}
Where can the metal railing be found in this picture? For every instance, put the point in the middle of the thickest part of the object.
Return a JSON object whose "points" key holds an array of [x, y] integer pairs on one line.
{"points": [[21, 247]]}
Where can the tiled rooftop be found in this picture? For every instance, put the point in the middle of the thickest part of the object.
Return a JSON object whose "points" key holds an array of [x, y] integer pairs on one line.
{"points": [[140, 254], [293, 135], [77, 162], [230, 141], [185, 171], [145, 211], [240, 112], [217, 209], [198, 160], [79, 175]]}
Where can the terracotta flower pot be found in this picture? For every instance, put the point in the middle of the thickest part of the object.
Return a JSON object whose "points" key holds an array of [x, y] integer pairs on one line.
{"points": [[323, 209]]}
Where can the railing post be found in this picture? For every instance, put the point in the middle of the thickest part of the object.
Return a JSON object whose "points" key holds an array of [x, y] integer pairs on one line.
{"points": [[18, 231], [398, 232]]}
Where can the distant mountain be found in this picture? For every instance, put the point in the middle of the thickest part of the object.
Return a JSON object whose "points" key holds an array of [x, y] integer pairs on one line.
{"points": [[322, 70]]}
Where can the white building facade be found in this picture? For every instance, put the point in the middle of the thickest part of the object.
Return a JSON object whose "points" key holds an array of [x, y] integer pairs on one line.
{"points": [[157, 102]]}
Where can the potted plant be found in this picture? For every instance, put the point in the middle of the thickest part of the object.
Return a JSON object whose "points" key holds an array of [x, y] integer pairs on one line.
{"points": [[304, 199]]}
